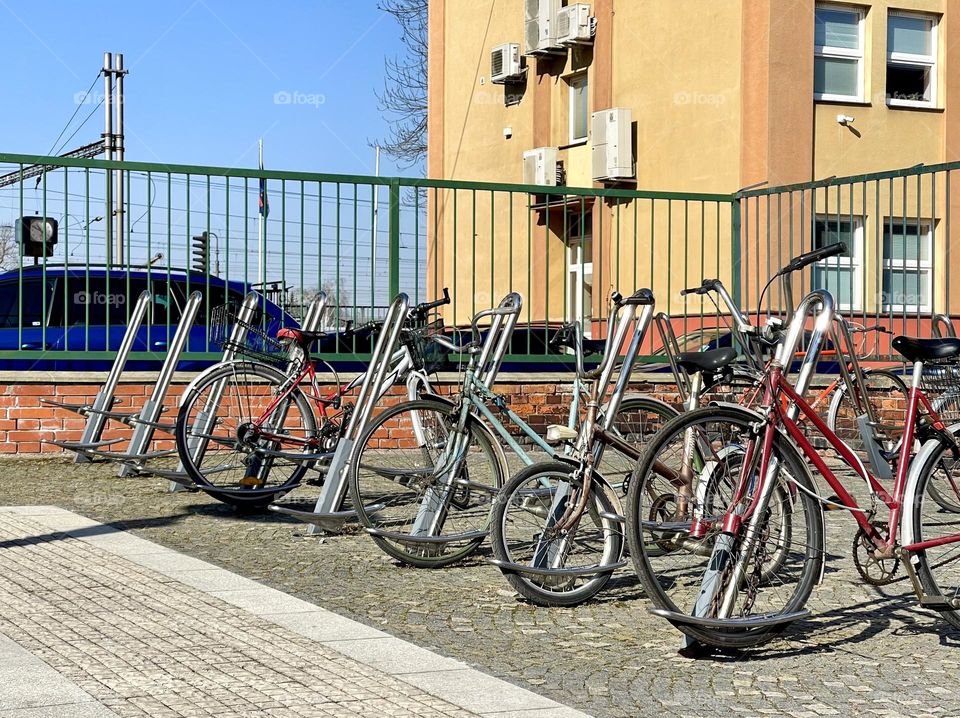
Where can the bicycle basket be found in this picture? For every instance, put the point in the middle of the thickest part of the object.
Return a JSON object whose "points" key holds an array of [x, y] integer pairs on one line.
{"points": [[941, 384], [255, 342], [427, 355]]}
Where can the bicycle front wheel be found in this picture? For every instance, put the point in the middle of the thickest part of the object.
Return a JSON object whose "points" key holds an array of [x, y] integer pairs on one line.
{"points": [[938, 566], [682, 489], [238, 440], [547, 562], [422, 485]]}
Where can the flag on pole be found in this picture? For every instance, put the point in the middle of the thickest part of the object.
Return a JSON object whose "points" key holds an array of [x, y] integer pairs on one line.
{"points": [[263, 203]]}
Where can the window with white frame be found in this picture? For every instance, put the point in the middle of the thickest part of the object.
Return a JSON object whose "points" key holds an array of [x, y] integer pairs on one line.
{"points": [[840, 275], [579, 241], [579, 109], [838, 53], [907, 267], [911, 60]]}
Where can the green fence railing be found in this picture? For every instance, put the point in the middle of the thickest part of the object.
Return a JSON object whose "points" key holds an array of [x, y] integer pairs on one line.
{"points": [[361, 239]]}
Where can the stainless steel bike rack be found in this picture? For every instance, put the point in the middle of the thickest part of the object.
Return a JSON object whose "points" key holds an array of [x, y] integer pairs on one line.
{"points": [[100, 410], [943, 320], [146, 422], [328, 514]]}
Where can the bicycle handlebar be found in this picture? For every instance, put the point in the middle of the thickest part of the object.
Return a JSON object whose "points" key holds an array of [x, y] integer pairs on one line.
{"points": [[814, 255], [422, 309]]}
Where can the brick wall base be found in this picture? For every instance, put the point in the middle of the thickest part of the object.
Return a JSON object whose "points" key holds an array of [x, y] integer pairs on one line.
{"points": [[26, 422]]}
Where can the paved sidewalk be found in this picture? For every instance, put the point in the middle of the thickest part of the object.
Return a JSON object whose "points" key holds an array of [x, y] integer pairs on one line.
{"points": [[98, 623]]}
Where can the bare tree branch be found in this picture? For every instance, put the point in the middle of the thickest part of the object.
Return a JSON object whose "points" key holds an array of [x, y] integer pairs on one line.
{"points": [[9, 252], [404, 98]]}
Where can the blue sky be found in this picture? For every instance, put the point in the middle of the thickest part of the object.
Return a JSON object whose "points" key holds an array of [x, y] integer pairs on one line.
{"points": [[207, 78]]}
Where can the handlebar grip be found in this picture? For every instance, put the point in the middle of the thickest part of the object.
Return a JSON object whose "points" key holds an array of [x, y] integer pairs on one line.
{"points": [[707, 286], [427, 306], [815, 255]]}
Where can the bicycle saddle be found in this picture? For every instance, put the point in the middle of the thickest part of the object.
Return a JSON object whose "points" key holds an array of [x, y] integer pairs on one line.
{"points": [[301, 337], [916, 349], [708, 362]]}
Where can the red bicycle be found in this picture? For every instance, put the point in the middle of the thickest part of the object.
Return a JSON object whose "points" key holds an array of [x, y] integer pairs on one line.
{"points": [[725, 524]]}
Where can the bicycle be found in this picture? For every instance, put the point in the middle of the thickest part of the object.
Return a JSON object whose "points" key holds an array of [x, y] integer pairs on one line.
{"points": [[246, 430], [737, 490], [557, 526], [432, 499]]}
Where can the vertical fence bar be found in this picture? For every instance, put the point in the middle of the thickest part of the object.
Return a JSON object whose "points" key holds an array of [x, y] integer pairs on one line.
{"points": [[394, 239]]}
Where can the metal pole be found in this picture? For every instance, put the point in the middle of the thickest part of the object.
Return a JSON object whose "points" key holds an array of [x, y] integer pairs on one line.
{"points": [[145, 423], [118, 146], [376, 211], [261, 236], [108, 148]]}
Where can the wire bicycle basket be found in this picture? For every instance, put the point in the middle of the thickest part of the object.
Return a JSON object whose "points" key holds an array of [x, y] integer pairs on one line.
{"points": [[426, 354], [941, 384], [254, 341]]}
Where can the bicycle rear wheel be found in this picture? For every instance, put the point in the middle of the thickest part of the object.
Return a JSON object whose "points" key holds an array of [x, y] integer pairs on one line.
{"points": [[687, 565], [886, 393], [233, 445], [424, 487], [938, 567], [638, 419], [548, 566]]}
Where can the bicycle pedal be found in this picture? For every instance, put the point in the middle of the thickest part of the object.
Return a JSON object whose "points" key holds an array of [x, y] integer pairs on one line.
{"points": [[250, 482], [833, 503]]}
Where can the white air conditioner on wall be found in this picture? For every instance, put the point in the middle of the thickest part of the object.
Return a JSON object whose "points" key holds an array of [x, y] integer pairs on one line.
{"points": [[574, 25], [540, 166], [611, 139], [540, 27], [505, 63]]}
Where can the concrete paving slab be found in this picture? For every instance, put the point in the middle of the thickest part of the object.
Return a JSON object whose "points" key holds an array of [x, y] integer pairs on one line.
{"points": [[142, 657], [322, 625]]}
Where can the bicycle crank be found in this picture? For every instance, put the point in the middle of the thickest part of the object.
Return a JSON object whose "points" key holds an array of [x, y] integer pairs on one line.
{"points": [[874, 570]]}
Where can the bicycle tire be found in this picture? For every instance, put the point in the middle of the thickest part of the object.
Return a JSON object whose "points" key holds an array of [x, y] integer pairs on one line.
{"points": [[666, 560], [516, 518], [889, 410], [395, 499], [217, 460], [937, 567]]}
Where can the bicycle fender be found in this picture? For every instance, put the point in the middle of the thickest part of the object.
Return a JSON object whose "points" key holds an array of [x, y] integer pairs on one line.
{"points": [[910, 492]]}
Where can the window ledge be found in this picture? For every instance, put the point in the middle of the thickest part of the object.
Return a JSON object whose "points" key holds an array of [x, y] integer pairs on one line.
{"points": [[578, 143], [839, 101], [908, 105]]}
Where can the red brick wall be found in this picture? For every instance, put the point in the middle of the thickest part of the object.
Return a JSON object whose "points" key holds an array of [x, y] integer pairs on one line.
{"points": [[25, 421]]}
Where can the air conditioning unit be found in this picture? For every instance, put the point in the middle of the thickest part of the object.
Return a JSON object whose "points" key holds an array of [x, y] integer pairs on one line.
{"points": [[540, 166], [540, 27], [574, 25], [612, 144], [505, 63]]}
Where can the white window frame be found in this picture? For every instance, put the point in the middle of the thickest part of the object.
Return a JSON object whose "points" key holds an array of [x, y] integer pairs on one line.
{"points": [[907, 59], [853, 262], [844, 53], [920, 266], [577, 271], [574, 83]]}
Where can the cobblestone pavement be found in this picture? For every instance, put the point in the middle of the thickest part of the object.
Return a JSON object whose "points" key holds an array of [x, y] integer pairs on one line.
{"points": [[865, 650]]}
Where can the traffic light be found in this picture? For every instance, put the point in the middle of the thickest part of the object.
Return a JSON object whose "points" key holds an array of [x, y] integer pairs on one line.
{"points": [[201, 253], [36, 235]]}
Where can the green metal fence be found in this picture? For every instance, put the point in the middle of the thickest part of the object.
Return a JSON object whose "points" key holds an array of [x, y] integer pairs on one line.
{"points": [[897, 270], [362, 239]]}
